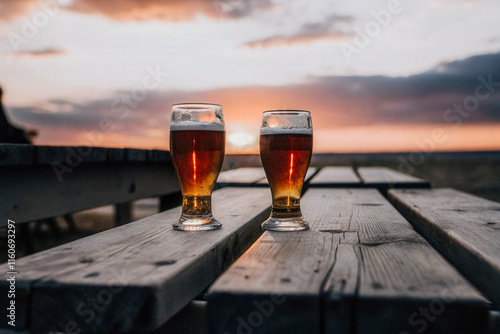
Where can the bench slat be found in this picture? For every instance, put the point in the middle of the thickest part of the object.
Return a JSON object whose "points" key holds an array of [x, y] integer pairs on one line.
{"points": [[398, 271], [384, 178], [36, 193], [25, 155], [69, 155], [140, 274], [16, 154], [336, 177], [274, 287], [241, 176], [463, 227], [382, 271]]}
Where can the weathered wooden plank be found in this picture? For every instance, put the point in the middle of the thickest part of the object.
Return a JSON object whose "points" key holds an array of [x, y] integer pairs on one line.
{"points": [[241, 176], [158, 155], [116, 155], [32, 193], [137, 276], [336, 177], [341, 288], [275, 286], [463, 227], [310, 172], [135, 155], [382, 272], [16, 154], [400, 276], [71, 156], [385, 178]]}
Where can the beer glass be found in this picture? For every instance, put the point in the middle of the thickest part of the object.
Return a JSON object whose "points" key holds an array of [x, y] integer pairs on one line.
{"points": [[197, 142], [285, 151]]}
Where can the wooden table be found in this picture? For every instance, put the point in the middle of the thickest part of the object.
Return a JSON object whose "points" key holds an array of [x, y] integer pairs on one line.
{"points": [[361, 268]]}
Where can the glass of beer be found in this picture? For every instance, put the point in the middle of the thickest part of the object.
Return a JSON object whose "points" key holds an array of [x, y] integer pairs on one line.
{"points": [[197, 143], [285, 151]]}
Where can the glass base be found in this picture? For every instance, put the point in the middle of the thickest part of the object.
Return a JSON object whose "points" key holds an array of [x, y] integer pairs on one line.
{"points": [[290, 224], [197, 223], [197, 215]]}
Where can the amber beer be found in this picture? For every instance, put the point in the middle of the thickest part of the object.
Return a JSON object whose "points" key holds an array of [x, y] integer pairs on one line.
{"points": [[197, 156], [197, 141], [285, 155]]}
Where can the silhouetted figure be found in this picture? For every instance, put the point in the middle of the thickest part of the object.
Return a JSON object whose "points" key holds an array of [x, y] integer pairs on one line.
{"points": [[8, 132]]}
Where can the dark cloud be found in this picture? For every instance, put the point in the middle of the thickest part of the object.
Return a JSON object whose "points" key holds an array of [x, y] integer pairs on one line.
{"points": [[332, 28], [476, 65], [422, 98]]}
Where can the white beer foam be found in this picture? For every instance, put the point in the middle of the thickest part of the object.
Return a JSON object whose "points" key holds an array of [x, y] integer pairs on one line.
{"points": [[280, 130], [199, 126]]}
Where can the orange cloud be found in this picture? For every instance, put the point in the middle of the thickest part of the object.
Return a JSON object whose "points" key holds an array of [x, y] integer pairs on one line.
{"points": [[43, 53], [290, 40], [126, 10], [10, 9], [171, 10], [141, 10]]}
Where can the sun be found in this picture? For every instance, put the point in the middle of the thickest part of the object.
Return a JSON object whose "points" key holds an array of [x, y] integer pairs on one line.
{"points": [[242, 141]]}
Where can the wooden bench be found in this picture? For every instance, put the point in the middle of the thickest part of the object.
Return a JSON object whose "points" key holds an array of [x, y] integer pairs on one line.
{"points": [[366, 177], [361, 268], [251, 177], [463, 227], [40, 182], [133, 277]]}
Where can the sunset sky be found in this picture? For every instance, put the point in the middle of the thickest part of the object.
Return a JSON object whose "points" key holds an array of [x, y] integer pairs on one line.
{"points": [[377, 76]]}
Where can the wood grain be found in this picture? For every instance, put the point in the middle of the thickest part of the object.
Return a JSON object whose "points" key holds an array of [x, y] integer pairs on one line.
{"points": [[336, 177], [137, 276], [398, 271], [463, 227]]}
